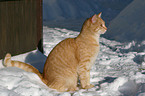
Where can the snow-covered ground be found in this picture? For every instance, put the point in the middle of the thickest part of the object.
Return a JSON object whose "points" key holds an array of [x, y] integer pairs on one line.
{"points": [[119, 69]]}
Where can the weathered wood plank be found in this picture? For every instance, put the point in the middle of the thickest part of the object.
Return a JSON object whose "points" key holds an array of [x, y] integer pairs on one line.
{"points": [[20, 26]]}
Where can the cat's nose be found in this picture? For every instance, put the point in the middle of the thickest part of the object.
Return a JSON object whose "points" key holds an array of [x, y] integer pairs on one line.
{"points": [[105, 27]]}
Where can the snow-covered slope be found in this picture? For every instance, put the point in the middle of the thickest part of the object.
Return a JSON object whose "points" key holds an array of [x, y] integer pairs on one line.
{"points": [[75, 9], [63, 13], [129, 24], [117, 70]]}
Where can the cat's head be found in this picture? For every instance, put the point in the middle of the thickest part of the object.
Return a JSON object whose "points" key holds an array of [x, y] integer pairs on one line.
{"points": [[96, 24]]}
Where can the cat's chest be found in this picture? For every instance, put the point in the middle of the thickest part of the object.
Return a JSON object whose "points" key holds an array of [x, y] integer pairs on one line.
{"points": [[93, 55]]}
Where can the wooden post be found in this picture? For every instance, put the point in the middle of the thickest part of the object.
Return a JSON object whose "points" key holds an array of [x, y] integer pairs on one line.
{"points": [[20, 26]]}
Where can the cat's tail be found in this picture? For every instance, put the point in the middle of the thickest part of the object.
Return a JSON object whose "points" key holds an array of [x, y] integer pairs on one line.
{"points": [[7, 60], [11, 63]]}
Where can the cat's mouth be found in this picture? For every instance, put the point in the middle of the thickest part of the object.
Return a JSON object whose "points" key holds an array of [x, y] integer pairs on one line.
{"points": [[105, 28], [104, 31]]}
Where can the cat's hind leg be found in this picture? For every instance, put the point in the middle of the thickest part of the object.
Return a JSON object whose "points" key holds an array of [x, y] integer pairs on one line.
{"points": [[58, 85], [63, 85], [72, 84]]}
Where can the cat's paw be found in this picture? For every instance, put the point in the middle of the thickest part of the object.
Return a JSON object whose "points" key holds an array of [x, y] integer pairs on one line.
{"points": [[88, 86]]}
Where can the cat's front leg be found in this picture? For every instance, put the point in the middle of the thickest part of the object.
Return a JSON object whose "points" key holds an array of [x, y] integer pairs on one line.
{"points": [[84, 76]]}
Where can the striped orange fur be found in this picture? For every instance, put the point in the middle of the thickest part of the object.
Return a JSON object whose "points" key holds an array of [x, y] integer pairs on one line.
{"points": [[71, 59]]}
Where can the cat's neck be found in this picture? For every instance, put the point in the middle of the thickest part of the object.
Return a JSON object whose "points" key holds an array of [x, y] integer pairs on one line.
{"points": [[86, 36]]}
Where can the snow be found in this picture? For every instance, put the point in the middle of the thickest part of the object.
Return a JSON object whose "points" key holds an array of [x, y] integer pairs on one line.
{"points": [[120, 67], [71, 14], [16, 82], [64, 9], [129, 24], [114, 73]]}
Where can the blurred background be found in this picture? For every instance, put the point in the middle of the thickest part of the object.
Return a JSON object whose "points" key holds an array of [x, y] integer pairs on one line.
{"points": [[71, 14]]}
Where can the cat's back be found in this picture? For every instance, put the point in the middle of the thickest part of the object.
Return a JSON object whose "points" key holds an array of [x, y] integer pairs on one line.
{"points": [[66, 46], [62, 55]]}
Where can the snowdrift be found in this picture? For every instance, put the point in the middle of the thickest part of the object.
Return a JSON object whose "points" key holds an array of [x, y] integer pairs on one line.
{"points": [[129, 25]]}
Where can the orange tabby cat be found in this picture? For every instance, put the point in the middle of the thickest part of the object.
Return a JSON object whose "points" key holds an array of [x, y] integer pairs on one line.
{"points": [[71, 59]]}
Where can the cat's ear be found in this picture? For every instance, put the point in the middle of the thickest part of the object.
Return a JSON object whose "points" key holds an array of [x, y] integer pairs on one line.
{"points": [[99, 15], [94, 18]]}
